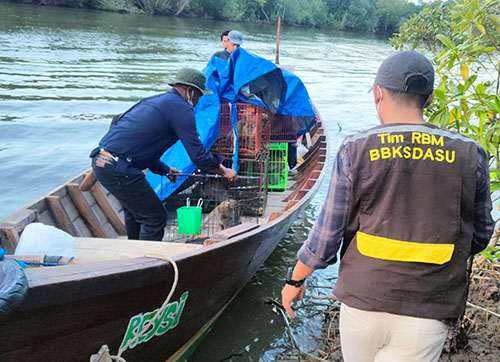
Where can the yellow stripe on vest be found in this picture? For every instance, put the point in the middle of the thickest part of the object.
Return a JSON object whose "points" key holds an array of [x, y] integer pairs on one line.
{"points": [[390, 249]]}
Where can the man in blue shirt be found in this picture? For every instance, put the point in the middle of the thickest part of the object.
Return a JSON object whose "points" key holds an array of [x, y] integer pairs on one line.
{"points": [[138, 140]]}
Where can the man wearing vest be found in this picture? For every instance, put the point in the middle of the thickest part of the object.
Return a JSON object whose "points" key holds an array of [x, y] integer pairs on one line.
{"points": [[138, 140], [408, 204]]}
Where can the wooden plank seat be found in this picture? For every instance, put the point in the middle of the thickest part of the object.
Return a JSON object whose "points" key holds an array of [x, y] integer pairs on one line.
{"points": [[235, 231], [88, 250], [231, 232], [95, 249]]}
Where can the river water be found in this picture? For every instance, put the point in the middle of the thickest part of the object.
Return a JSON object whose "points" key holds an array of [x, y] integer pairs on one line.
{"points": [[65, 72]]}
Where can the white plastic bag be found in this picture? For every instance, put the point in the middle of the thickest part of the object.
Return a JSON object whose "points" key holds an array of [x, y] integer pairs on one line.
{"points": [[301, 152], [39, 239]]}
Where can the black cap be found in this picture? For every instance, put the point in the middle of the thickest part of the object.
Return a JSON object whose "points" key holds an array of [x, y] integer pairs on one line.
{"points": [[408, 72]]}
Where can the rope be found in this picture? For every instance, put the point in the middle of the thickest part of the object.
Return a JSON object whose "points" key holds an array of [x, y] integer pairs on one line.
{"points": [[150, 323]]}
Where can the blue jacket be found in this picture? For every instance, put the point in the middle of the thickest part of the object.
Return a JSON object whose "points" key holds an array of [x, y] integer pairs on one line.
{"points": [[146, 131]]}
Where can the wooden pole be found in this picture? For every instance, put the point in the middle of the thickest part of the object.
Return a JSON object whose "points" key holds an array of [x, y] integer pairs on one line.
{"points": [[277, 60]]}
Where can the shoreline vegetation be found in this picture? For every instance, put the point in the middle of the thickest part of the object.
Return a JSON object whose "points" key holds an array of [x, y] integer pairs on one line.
{"points": [[372, 16]]}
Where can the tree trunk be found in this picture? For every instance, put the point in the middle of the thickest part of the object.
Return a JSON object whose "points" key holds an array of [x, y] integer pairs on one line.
{"points": [[264, 12], [184, 4]]}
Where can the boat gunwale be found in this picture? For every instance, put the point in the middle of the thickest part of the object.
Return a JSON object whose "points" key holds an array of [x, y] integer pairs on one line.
{"points": [[45, 277]]}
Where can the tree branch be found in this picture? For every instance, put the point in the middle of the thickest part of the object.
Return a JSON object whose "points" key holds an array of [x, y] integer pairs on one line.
{"points": [[184, 4]]}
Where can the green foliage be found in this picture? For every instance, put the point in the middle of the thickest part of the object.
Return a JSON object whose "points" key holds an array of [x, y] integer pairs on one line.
{"points": [[160, 7], [364, 15], [110, 5], [68, 3], [221, 9], [393, 13], [353, 15], [492, 253], [299, 12], [462, 38]]}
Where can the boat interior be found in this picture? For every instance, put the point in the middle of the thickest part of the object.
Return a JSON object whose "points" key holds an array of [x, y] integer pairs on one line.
{"points": [[95, 218]]}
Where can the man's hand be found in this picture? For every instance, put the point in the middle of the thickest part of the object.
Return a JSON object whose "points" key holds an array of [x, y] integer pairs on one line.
{"points": [[229, 173], [289, 294], [226, 173], [172, 175]]}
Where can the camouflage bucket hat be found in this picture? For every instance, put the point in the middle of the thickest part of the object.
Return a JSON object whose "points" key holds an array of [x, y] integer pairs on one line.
{"points": [[191, 77]]}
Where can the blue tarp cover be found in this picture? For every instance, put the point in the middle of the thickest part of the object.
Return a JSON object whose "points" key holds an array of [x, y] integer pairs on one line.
{"points": [[248, 78]]}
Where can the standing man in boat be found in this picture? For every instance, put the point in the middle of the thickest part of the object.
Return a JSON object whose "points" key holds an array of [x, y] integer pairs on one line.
{"points": [[408, 204], [223, 54], [234, 41], [139, 139]]}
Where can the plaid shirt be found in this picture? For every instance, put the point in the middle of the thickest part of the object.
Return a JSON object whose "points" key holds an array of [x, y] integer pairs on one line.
{"points": [[321, 247]]}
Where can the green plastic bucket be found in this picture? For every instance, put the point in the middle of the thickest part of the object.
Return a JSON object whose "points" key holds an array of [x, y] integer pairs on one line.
{"points": [[189, 219]]}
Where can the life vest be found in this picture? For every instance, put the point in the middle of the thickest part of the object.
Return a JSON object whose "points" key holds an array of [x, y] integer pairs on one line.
{"points": [[410, 221]]}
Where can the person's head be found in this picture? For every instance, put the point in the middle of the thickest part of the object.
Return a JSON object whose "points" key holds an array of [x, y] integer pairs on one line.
{"points": [[407, 79], [235, 39], [224, 38], [190, 83]]}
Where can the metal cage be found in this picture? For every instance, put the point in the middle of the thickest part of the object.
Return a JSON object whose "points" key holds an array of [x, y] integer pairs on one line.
{"points": [[223, 203]]}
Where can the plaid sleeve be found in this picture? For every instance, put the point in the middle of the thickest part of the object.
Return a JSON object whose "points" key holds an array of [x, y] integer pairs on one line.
{"points": [[324, 240], [483, 222]]}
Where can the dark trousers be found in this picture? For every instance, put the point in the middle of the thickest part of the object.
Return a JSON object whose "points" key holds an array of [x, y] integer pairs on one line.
{"points": [[145, 215]]}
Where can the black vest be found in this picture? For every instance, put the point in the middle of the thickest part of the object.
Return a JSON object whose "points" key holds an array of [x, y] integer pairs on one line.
{"points": [[410, 221]]}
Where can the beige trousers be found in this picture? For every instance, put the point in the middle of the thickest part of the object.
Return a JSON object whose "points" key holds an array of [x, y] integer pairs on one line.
{"points": [[382, 337]]}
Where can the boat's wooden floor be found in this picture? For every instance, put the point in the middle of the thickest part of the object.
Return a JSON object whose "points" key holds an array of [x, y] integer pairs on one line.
{"points": [[276, 202], [94, 249]]}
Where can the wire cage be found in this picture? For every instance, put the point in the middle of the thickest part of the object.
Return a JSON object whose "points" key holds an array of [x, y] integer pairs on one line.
{"points": [[223, 204], [253, 129], [283, 129], [225, 143], [278, 167], [252, 167]]}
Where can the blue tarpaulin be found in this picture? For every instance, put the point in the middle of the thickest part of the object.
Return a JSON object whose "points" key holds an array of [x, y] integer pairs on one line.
{"points": [[248, 78]]}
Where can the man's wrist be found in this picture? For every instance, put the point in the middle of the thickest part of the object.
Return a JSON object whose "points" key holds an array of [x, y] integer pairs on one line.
{"points": [[290, 281]]}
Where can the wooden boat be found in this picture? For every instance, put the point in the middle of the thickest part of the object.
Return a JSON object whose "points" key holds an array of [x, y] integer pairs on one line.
{"points": [[114, 285]]}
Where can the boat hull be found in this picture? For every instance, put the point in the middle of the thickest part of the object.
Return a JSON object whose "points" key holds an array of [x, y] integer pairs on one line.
{"points": [[68, 316], [70, 311]]}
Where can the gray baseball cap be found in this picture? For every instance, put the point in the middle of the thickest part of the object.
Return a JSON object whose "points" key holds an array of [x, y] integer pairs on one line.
{"points": [[191, 77], [407, 72], [235, 37]]}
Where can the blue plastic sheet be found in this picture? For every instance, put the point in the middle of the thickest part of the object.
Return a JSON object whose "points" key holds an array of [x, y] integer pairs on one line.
{"points": [[248, 78]]}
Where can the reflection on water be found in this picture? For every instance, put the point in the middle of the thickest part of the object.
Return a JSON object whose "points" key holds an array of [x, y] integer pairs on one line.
{"points": [[65, 72]]}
